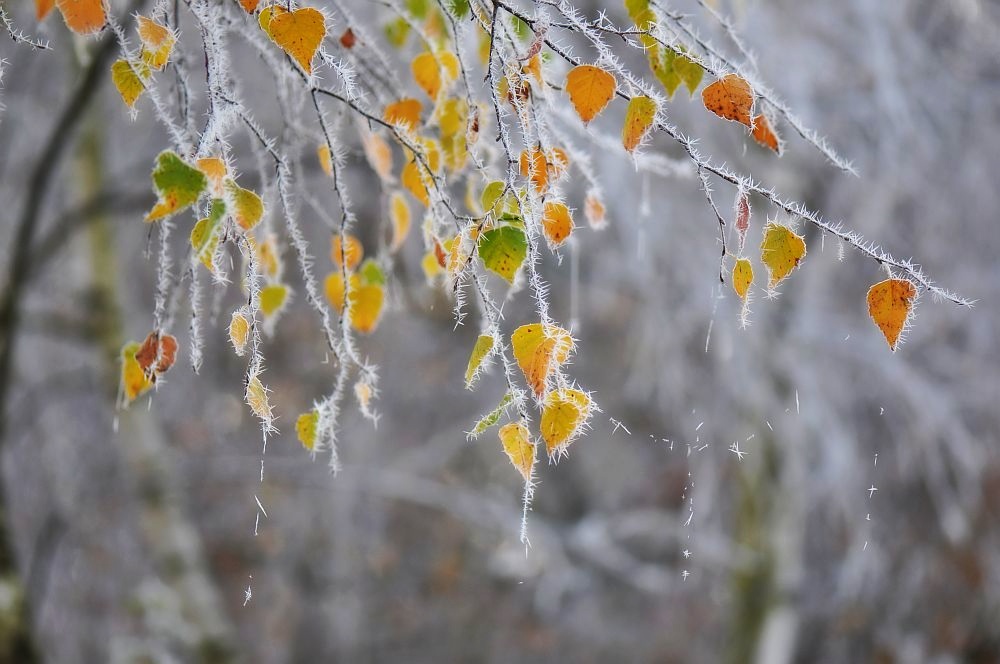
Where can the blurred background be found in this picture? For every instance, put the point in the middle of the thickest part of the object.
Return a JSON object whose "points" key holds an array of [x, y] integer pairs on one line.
{"points": [[858, 521]]}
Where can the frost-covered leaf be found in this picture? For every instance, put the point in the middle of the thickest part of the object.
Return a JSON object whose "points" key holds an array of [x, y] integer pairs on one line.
{"points": [[299, 32], [557, 223], [128, 83], [245, 206], [177, 184], [239, 332], [765, 135], [84, 17], [480, 351], [590, 89], [539, 351], [156, 354], [781, 251], [403, 113], [399, 215], [134, 379], [742, 277], [205, 235], [157, 42], [638, 119], [890, 305], [273, 299], [350, 252], [731, 98], [492, 417], [258, 400], [564, 414], [503, 250], [517, 444]]}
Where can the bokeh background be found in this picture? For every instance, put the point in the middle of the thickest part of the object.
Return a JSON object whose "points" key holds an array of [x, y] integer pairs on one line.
{"points": [[132, 533]]}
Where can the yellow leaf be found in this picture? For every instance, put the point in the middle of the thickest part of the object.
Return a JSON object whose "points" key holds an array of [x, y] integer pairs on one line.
{"points": [[351, 253], [483, 347], [557, 223], [257, 399], [731, 98], [366, 306], [890, 305], [427, 74], [245, 206], [564, 414], [431, 267], [268, 258], [239, 332], [517, 444], [157, 42], [134, 379], [404, 113], [539, 351], [84, 17], [781, 251], [638, 120], [414, 183], [323, 153], [399, 214], [306, 427], [273, 298], [205, 240], [590, 89], [333, 286], [299, 33], [742, 277], [128, 83]]}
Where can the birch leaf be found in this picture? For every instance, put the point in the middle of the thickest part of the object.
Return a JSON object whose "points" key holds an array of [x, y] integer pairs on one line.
{"points": [[781, 251], [564, 414], [503, 250], [590, 89], [482, 349], [731, 98], [890, 305], [539, 351], [177, 185], [517, 444]]}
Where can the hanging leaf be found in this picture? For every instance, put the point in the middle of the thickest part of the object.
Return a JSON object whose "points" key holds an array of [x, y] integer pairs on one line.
{"points": [[128, 83], [491, 417], [742, 215], [206, 234], [257, 399], [156, 354], [245, 206], [366, 306], [731, 98], [273, 299], [351, 252], [239, 332], [482, 349], [564, 414], [594, 211], [539, 351], [371, 273], [781, 251], [378, 152], [742, 277], [890, 305], [427, 74], [157, 42], [42, 9], [134, 379], [348, 39], [215, 170], [84, 17], [399, 215], [517, 444], [414, 183], [249, 6], [557, 223], [638, 119], [325, 162], [404, 113], [503, 250], [306, 427], [590, 89], [763, 134], [299, 33], [177, 185]]}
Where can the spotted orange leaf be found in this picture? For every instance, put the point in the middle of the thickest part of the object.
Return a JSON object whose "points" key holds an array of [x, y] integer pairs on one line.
{"points": [[731, 98]]}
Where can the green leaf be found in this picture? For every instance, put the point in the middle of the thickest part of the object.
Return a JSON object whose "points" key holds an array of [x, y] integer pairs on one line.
{"points": [[397, 31], [503, 250], [492, 417], [177, 185], [458, 8], [371, 273], [418, 8], [483, 347]]}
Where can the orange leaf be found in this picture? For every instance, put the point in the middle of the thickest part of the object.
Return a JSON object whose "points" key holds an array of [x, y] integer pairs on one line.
{"points": [[405, 112], [890, 305], [42, 8], [84, 17], [557, 224], [763, 134], [539, 351], [590, 89], [299, 33], [351, 254], [731, 98]]}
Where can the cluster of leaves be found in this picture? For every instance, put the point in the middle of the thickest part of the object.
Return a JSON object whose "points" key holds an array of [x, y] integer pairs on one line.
{"points": [[485, 205]]}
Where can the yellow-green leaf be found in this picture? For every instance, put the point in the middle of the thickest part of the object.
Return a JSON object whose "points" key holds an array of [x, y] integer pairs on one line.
{"points": [[742, 277], [781, 251], [306, 427], [638, 119], [503, 250], [177, 184], [483, 347]]}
